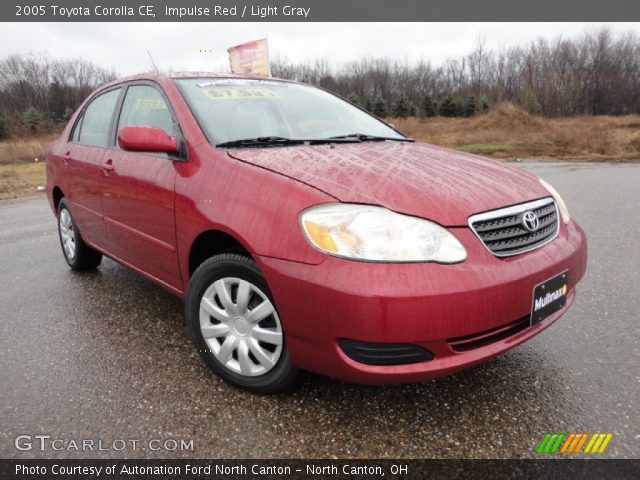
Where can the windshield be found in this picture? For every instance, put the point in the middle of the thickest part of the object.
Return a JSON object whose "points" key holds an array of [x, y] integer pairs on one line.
{"points": [[229, 110]]}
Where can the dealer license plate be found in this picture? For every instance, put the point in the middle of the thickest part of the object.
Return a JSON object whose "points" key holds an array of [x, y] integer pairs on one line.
{"points": [[549, 297]]}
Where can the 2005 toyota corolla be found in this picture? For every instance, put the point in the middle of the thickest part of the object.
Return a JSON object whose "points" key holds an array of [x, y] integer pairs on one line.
{"points": [[304, 233]]}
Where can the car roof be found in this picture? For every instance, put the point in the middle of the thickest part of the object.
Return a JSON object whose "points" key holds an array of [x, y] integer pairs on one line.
{"points": [[156, 76]]}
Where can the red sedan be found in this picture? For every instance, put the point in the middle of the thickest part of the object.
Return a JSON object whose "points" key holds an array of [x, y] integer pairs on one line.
{"points": [[305, 233]]}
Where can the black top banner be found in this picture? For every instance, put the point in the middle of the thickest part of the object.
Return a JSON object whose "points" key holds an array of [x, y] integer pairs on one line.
{"points": [[319, 10]]}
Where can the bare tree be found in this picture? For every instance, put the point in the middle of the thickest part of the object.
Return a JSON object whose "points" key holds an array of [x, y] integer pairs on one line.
{"points": [[50, 87], [595, 73]]}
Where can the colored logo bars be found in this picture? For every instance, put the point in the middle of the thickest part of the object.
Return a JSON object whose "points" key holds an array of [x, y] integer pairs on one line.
{"points": [[574, 443]]}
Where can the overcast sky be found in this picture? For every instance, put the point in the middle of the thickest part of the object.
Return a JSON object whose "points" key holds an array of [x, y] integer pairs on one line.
{"points": [[176, 46]]}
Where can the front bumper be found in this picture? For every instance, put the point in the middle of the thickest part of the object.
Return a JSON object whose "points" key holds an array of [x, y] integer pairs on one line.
{"points": [[427, 304]]}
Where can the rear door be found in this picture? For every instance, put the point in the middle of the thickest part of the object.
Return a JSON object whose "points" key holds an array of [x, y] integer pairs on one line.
{"points": [[81, 162], [138, 190]]}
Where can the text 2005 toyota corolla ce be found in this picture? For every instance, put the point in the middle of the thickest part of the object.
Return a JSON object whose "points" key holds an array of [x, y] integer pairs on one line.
{"points": [[304, 233]]}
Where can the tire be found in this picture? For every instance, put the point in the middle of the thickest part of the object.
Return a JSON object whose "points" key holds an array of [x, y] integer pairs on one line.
{"points": [[229, 302], [79, 255]]}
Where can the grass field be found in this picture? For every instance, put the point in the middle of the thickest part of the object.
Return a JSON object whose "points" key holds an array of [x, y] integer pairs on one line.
{"points": [[505, 132], [23, 150], [21, 179], [509, 133], [20, 174]]}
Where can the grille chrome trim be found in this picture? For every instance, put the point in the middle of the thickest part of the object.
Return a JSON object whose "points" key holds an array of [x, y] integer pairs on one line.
{"points": [[514, 210]]}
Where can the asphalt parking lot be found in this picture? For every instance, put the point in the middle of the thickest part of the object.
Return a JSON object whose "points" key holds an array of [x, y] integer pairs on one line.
{"points": [[105, 355]]}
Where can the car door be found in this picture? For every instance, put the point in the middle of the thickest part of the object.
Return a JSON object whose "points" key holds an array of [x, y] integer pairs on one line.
{"points": [[138, 190], [81, 161]]}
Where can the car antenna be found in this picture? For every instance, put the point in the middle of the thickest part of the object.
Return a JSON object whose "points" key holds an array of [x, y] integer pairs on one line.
{"points": [[152, 62]]}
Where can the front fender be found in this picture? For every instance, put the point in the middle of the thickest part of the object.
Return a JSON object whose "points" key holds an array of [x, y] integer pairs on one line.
{"points": [[257, 207]]}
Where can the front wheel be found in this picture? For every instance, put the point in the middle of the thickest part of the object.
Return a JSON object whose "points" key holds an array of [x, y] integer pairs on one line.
{"points": [[236, 326], [78, 254]]}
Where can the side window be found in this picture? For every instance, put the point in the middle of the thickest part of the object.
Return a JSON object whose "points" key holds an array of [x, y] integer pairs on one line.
{"points": [[75, 136], [96, 120], [144, 105]]}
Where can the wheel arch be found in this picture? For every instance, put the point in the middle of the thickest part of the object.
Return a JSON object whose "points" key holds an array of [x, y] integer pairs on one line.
{"points": [[56, 195], [213, 242]]}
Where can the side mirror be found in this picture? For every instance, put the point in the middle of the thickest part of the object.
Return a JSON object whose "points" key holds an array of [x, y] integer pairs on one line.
{"points": [[141, 138]]}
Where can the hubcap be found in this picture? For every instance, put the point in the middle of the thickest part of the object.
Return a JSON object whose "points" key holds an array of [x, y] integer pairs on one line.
{"points": [[67, 234], [241, 326]]}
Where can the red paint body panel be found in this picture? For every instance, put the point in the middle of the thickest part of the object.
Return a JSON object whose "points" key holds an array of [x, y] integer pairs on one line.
{"points": [[442, 185], [138, 209], [147, 210], [141, 138], [223, 194], [425, 304], [79, 166]]}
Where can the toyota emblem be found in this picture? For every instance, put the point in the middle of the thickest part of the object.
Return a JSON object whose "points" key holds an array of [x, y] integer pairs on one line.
{"points": [[530, 221]]}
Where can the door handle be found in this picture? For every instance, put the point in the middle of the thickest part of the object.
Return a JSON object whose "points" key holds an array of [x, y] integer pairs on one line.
{"points": [[66, 158], [107, 165]]}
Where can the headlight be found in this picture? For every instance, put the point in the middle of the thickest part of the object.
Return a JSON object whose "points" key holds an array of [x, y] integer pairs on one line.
{"points": [[564, 211], [364, 232]]}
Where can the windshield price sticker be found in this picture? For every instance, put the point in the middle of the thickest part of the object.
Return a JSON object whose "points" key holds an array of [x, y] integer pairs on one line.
{"points": [[239, 93]]}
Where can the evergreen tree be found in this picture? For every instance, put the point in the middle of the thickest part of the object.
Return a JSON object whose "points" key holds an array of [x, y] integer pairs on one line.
{"points": [[4, 128], [33, 118], [448, 107], [530, 102], [379, 107], [470, 107], [459, 107], [401, 108], [68, 112], [353, 98], [428, 107], [56, 102]]}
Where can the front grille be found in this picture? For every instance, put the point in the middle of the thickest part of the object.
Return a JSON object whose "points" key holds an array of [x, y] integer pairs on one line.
{"points": [[503, 232], [482, 339]]}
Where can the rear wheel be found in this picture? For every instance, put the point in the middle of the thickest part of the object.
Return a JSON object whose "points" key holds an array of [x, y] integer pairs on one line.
{"points": [[236, 326], [78, 254]]}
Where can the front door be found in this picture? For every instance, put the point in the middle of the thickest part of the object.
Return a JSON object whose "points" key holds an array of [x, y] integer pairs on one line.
{"points": [[138, 192]]}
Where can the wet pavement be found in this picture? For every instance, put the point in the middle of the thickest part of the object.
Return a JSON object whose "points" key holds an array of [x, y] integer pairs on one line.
{"points": [[105, 356]]}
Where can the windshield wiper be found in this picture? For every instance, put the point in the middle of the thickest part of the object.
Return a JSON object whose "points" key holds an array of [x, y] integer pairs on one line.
{"points": [[260, 141], [276, 141], [281, 141], [368, 138]]}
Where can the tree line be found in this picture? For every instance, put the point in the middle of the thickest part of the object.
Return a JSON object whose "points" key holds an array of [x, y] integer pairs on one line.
{"points": [[38, 92], [595, 73]]}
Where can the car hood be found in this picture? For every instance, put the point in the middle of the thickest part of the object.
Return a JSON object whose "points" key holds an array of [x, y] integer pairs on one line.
{"points": [[443, 185]]}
